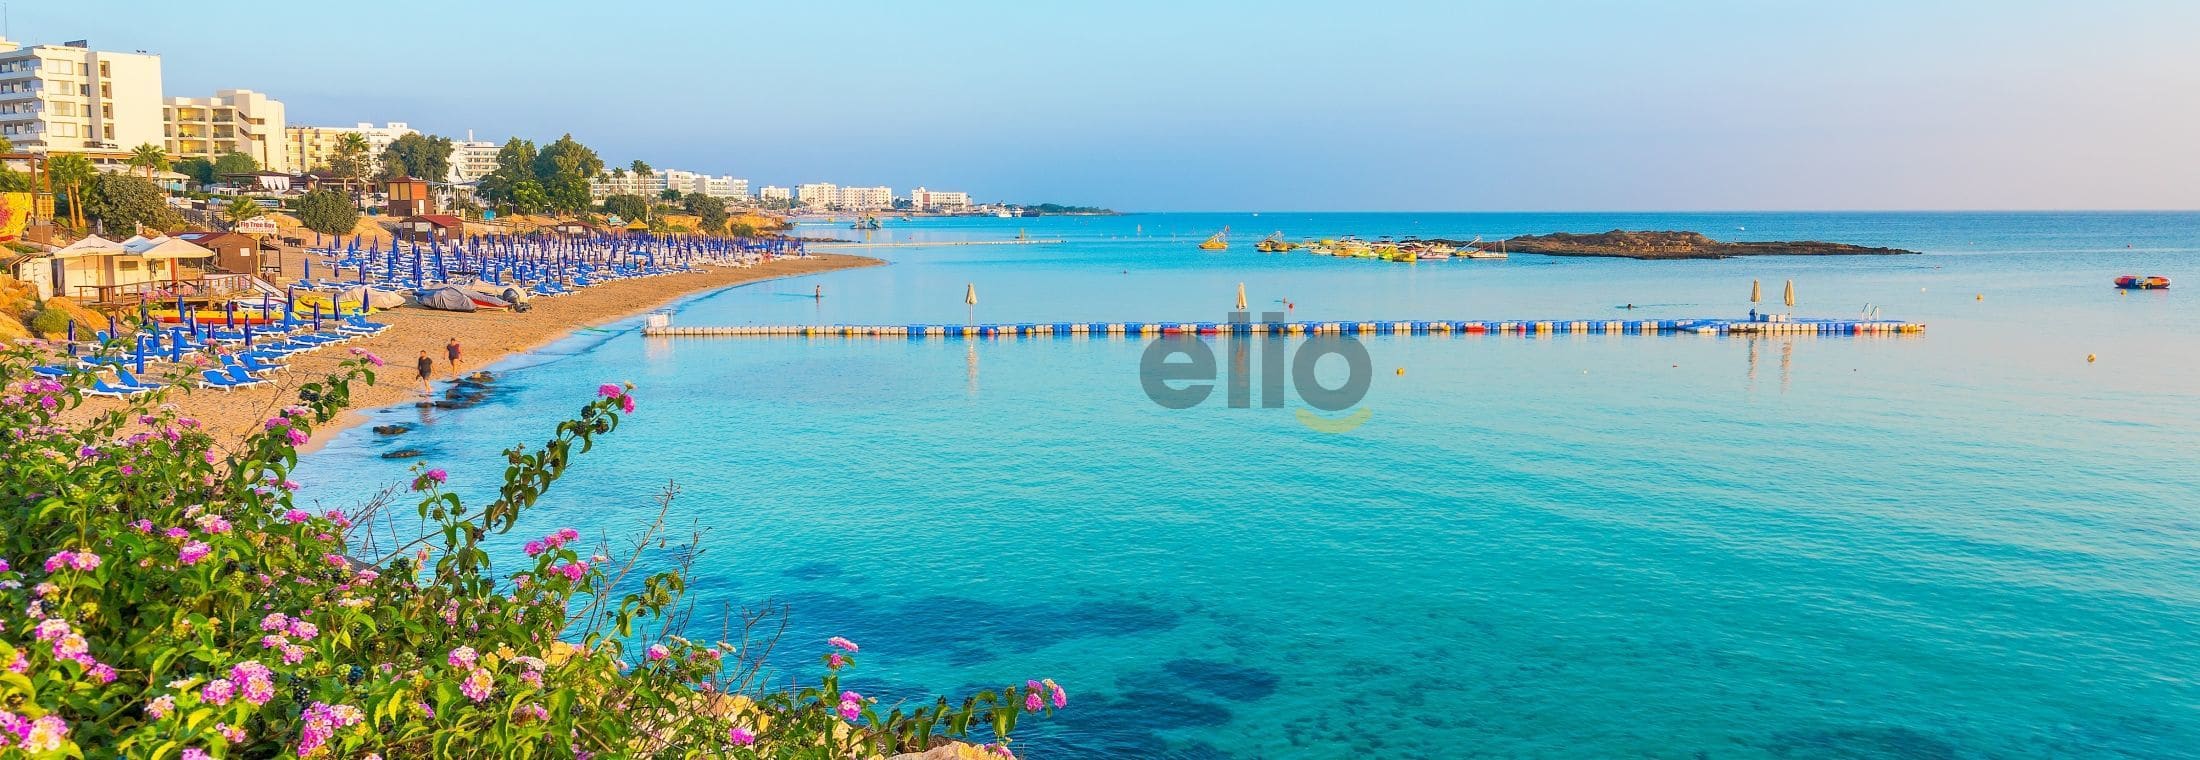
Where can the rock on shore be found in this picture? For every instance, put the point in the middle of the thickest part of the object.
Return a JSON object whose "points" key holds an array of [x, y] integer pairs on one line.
{"points": [[1672, 245]]}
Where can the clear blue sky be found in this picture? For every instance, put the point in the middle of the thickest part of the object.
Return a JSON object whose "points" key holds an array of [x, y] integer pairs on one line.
{"points": [[1273, 105]]}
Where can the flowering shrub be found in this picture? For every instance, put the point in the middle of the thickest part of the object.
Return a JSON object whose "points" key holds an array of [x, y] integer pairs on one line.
{"points": [[163, 598]]}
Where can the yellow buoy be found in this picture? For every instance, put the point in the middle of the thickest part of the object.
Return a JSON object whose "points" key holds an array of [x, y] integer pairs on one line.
{"points": [[1982, 296], [2089, 358], [1401, 371]]}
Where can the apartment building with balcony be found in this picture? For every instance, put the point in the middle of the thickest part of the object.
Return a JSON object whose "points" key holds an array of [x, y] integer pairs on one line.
{"points": [[310, 148], [232, 121], [691, 183], [71, 98], [473, 159]]}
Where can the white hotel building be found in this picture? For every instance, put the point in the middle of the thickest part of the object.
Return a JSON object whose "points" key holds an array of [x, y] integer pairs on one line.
{"points": [[473, 159], [922, 199], [826, 195], [69, 97], [690, 183]]}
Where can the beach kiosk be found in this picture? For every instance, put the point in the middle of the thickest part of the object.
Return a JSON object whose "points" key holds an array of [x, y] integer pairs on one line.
{"points": [[408, 197], [98, 271], [233, 251]]}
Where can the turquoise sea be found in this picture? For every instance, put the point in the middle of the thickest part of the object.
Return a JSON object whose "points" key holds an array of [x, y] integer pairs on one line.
{"points": [[1971, 543]]}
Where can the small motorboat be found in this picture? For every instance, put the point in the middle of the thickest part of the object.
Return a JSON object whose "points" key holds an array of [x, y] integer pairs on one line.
{"points": [[2136, 282]]}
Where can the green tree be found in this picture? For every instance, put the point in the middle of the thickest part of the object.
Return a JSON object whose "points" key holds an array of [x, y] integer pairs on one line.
{"points": [[12, 181], [235, 163], [351, 162], [515, 165], [425, 156], [711, 210], [529, 198], [71, 174], [669, 194], [632, 208], [198, 169], [642, 170], [564, 168], [239, 209], [123, 203], [324, 211], [149, 157]]}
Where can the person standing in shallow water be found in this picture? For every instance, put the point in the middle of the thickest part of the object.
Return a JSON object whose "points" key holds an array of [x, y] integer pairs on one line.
{"points": [[427, 369]]}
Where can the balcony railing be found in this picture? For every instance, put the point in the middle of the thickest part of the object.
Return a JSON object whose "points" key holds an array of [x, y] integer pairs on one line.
{"points": [[210, 285]]}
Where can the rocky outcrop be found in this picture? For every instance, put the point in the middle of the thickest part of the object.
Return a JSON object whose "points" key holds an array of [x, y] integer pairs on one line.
{"points": [[1671, 245]]}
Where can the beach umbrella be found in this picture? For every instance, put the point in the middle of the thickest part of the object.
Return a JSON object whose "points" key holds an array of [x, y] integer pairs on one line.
{"points": [[1789, 297], [970, 298], [141, 355], [72, 336], [248, 334], [1241, 297], [309, 270], [1755, 295]]}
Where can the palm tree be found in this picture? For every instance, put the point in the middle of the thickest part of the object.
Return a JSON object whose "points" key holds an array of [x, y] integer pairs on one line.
{"points": [[351, 162], [69, 173], [149, 157], [240, 209]]}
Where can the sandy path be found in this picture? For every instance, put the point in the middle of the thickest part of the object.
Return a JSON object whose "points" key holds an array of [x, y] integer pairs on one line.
{"points": [[485, 336]]}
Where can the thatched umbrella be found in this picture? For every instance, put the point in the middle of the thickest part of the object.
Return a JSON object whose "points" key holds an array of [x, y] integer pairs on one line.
{"points": [[1789, 296], [1241, 297]]}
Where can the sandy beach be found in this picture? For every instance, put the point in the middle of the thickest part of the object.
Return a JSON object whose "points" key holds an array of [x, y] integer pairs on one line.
{"points": [[484, 336]]}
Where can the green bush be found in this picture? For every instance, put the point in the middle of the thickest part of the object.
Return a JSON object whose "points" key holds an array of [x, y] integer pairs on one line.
{"points": [[328, 212], [177, 604], [50, 322]]}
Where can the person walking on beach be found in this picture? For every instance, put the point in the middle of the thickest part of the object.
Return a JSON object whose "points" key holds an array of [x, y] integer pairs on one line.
{"points": [[427, 369], [450, 351]]}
